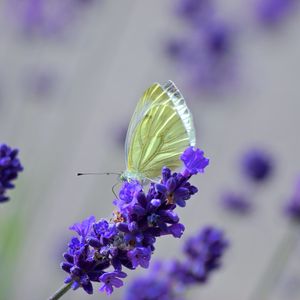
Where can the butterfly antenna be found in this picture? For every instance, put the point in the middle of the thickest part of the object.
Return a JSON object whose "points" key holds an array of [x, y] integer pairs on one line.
{"points": [[103, 173]]}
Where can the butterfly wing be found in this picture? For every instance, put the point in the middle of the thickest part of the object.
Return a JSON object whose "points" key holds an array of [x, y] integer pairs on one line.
{"points": [[159, 131]]}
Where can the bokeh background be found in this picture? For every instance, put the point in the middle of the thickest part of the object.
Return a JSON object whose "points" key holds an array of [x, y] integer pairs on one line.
{"points": [[68, 88]]}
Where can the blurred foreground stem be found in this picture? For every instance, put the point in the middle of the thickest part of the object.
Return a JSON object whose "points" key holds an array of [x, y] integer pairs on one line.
{"points": [[61, 291], [276, 265]]}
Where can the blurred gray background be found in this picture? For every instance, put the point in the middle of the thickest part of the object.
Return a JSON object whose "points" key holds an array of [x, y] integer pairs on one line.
{"points": [[95, 73]]}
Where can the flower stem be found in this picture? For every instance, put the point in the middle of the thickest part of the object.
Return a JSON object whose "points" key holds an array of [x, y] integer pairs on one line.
{"points": [[59, 293], [277, 264]]}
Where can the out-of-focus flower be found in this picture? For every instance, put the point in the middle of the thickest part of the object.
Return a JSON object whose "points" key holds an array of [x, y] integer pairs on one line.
{"points": [[257, 165], [273, 12], [292, 208], [40, 83], [195, 11], [203, 252], [10, 166], [236, 202], [206, 55], [43, 17], [168, 280], [127, 240]]}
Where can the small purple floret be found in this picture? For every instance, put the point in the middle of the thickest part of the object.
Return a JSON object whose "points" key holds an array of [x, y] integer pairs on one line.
{"points": [[111, 280]]}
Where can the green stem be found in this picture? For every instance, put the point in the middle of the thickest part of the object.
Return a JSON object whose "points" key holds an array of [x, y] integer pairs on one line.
{"points": [[276, 266], [59, 293]]}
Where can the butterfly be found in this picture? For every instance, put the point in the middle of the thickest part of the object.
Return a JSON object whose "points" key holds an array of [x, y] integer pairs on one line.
{"points": [[160, 129]]}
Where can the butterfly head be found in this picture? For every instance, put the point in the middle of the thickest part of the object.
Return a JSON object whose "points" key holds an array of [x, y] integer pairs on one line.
{"points": [[129, 176]]}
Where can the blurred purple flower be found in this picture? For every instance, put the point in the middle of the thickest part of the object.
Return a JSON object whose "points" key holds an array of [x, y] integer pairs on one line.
{"points": [[195, 11], [168, 280], [273, 12], [10, 166], [236, 203], [43, 17], [207, 56], [257, 165], [40, 83], [292, 208], [151, 288]]}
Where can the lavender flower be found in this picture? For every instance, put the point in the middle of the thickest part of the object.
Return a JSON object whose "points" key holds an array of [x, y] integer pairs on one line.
{"points": [[168, 280], [273, 12], [236, 202], [10, 166], [292, 208], [103, 248], [257, 165]]}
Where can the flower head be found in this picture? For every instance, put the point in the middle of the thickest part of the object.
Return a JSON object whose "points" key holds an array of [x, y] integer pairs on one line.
{"points": [[204, 252], [194, 161], [10, 166]]}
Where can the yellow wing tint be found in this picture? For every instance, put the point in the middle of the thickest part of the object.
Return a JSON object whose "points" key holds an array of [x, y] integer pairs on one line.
{"points": [[160, 129]]}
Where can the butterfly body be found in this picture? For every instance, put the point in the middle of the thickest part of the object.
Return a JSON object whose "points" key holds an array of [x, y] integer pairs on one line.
{"points": [[159, 131]]}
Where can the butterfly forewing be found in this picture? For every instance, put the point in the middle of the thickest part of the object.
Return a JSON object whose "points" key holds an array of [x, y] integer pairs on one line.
{"points": [[157, 134]]}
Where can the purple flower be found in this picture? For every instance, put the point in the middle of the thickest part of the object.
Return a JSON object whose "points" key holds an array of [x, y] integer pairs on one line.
{"points": [[111, 280], [42, 17], [194, 161], [272, 12], [236, 202], [127, 240], [257, 165], [10, 166], [140, 256]]}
